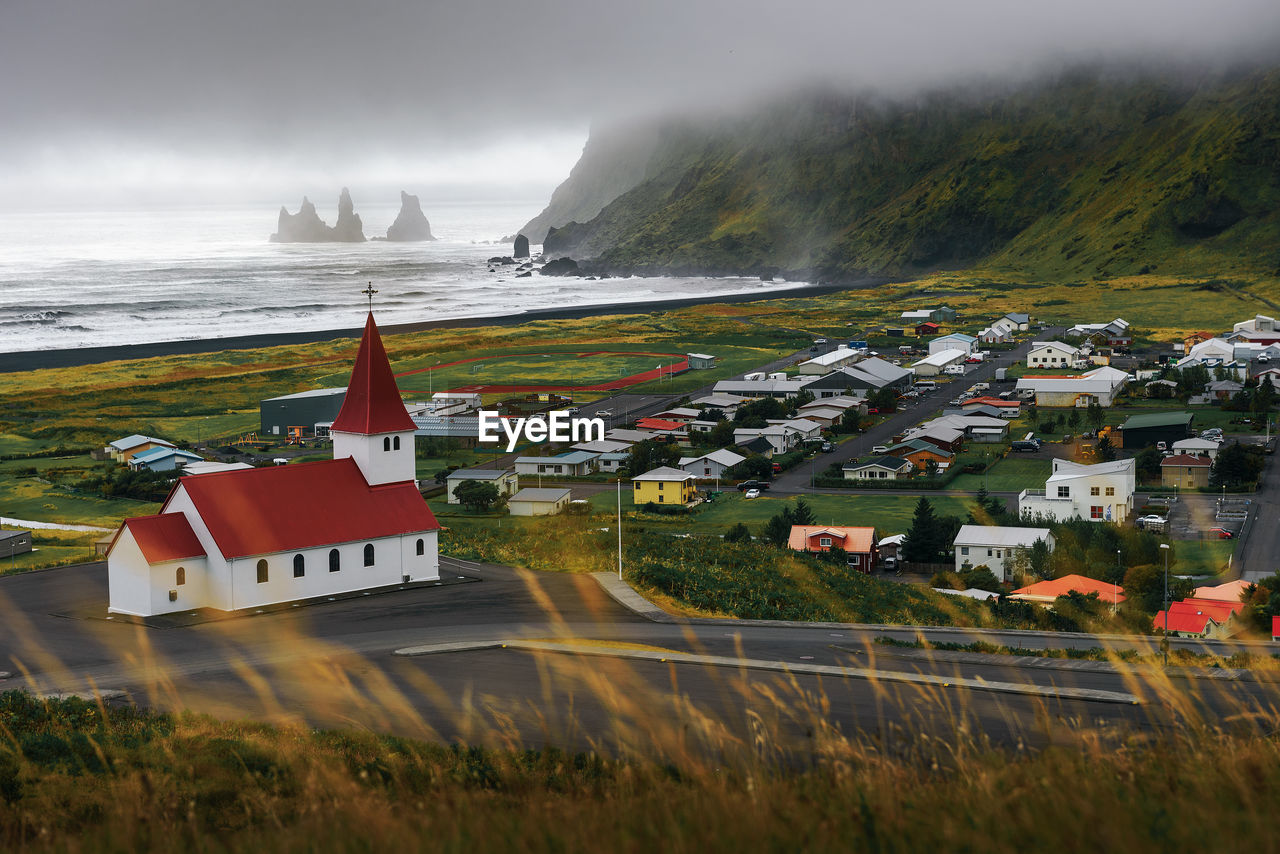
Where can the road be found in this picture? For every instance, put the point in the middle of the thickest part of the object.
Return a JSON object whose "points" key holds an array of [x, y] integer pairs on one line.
{"points": [[928, 406], [334, 664]]}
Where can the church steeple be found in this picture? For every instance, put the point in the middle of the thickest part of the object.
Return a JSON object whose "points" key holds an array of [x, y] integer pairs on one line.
{"points": [[373, 427], [373, 403]]}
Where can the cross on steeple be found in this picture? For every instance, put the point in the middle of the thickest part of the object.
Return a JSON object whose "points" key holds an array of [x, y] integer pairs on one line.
{"points": [[370, 291]]}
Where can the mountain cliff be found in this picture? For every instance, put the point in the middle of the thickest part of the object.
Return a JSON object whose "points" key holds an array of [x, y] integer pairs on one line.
{"points": [[1091, 173]]}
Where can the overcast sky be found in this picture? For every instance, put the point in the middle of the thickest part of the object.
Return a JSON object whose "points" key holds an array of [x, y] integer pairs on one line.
{"points": [[268, 99]]}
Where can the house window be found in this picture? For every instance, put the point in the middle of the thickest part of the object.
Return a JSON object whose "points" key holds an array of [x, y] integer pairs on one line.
{"points": [[180, 576], [964, 550], [1111, 490], [299, 566], [1064, 492], [637, 486], [999, 553], [395, 443], [1095, 512], [386, 443], [422, 547], [825, 542], [335, 560], [1093, 490], [854, 560], [368, 554], [262, 572], [662, 486], [988, 552], [661, 499]]}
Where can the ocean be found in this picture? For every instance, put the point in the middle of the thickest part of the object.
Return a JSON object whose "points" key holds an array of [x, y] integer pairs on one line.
{"points": [[90, 279]]}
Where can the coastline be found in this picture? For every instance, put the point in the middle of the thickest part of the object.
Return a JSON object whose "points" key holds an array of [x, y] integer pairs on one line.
{"points": [[32, 360]]}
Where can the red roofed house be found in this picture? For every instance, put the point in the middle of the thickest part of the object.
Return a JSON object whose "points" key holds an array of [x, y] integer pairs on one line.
{"points": [[1046, 592], [1185, 470], [242, 539], [858, 543], [1200, 618], [1275, 628]]}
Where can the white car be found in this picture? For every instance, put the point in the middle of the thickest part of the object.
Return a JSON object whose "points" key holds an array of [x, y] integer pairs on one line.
{"points": [[751, 493], [880, 449]]}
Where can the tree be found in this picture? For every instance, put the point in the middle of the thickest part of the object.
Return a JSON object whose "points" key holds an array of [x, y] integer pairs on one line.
{"points": [[477, 495], [777, 530], [755, 466], [1106, 451], [1095, 414], [757, 412], [1148, 464], [921, 543], [739, 533], [851, 422], [721, 435], [1235, 466], [884, 399], [650, 454], [802, 513]]}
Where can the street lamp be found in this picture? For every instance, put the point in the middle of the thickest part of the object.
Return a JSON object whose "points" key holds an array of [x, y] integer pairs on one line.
{"points": [[1165, 548], [1115, 591]]}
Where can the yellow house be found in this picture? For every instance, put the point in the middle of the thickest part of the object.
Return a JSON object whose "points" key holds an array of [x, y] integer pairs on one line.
{"points": [[664, 485]]}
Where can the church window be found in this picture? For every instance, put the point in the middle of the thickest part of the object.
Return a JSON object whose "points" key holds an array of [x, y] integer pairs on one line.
{"points": [[395, 443], [421, 547], [262, 572], [299, 566], [181, 576], [368, 554], [335, 560], [386, 443]]}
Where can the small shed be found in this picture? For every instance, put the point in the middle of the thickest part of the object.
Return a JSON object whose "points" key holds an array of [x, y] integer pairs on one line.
{"points": [[14, 543], [533, 501], [504, 479], [700, 361]]}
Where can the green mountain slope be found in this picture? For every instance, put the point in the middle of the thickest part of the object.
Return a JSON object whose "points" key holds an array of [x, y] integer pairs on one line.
{"points": [[1090, 174]]}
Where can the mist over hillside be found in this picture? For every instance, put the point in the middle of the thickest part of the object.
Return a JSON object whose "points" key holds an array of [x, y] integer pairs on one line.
{"points": [[1090, 172]]}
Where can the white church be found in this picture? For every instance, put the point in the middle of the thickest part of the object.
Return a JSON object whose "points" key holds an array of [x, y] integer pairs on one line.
{"points": [[242, 539]]}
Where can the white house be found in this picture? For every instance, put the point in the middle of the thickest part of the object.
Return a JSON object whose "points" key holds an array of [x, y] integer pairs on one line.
{"points": [[504, 480], [1052, 354], [825, 363], [954, 341], [1019, 321], [995, 546], [163, 459], [996, 333], [1100, 493], [878, 468], [935, 363], [1197, 447], [713, 464], [240, 539], [1101, 385], [568, 464]]}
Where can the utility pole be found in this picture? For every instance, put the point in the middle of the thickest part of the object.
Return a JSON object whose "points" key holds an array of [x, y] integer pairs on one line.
{"points": [[619, 527], [1165, 548]]}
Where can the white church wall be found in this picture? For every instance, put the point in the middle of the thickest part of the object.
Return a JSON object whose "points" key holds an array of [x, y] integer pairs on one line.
{"points": [[216, 587], [194, 593], [421, 567], [128, 578]]}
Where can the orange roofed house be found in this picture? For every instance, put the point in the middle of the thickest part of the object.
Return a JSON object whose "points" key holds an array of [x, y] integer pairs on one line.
{"points": [[242, 539], [1047, 592], [858, 543]]}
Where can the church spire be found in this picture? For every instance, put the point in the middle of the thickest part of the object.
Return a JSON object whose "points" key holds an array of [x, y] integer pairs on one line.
{"points": [[373, 403]]}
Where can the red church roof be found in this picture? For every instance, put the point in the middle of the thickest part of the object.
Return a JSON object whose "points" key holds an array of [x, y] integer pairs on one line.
{"points": [[305, 505], [373, 403], [161, 538]]}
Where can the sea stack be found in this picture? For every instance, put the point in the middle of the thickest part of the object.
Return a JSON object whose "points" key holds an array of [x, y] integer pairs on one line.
{"points": [[349, 228], [522, 247], [411, 223], [306, 226]]}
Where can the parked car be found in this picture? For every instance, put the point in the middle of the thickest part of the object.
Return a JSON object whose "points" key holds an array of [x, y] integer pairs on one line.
{"points": [[827, 446], [604, 413], [1222, 533], [776, 467], [880, 449], [748, 485], [1025, 445], [1150, 523], [751, 493], [873, 411]]}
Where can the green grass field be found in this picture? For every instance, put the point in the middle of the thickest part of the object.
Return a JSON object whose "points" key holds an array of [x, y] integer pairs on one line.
{"points": [[1014, 473], [50, 548]]}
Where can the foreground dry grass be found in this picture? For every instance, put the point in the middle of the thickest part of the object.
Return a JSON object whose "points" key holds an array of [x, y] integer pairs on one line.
{"points": [[74, 776]]}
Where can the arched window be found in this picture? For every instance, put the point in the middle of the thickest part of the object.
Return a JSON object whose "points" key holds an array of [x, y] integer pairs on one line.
{"points": [[422, 549], [335, 560], [299, 566], [386, 443], [262, 571], [181, 575], [395, 443], [368, 554]]}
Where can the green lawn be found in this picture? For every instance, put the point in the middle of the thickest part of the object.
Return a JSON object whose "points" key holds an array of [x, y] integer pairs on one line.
{"points": [[1012, 474], [51, 548], [204, 428], [1202, 557], [35, 498]]}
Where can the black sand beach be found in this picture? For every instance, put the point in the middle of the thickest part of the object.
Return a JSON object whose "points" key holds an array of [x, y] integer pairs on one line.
{"points": [[37, 359]]}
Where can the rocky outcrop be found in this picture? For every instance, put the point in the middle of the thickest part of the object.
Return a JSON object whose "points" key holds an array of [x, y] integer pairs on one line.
{"points": [[411, 223], [306, 226], [561, 267], [521, 248]]}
